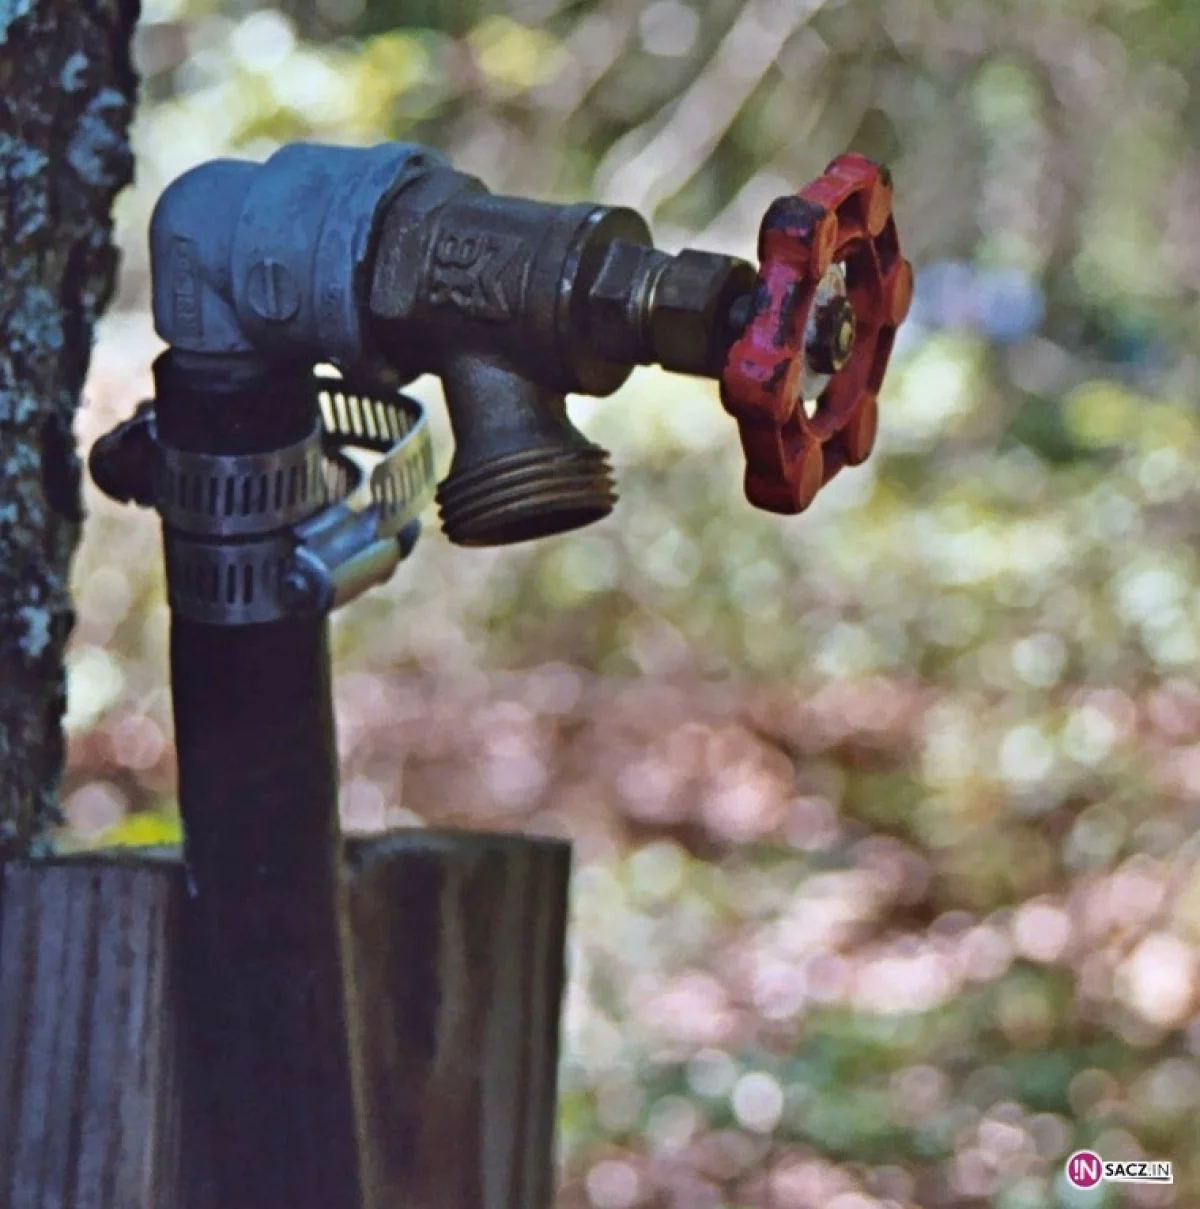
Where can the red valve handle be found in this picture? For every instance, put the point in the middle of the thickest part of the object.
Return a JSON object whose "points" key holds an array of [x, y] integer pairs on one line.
{"points": [[842, 218]]}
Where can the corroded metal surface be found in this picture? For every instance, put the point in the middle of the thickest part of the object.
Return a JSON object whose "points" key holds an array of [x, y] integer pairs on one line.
{"points": [[842, 218]]}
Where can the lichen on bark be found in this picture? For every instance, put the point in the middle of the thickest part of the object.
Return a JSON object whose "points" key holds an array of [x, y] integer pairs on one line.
{"points": [[67, 91]]}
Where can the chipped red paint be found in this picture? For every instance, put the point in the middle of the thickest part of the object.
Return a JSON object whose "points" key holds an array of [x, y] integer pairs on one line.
{"points": [[843, 217]]}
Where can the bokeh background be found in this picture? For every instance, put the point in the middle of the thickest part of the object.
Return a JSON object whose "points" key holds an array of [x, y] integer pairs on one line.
{"points": [[888, 889]]}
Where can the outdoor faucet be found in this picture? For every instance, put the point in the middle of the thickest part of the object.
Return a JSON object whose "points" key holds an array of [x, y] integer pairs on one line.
{"points": [[297, 297], [388, 263]]}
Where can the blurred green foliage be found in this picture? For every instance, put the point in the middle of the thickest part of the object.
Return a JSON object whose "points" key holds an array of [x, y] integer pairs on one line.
{"points": [[888, 889]]}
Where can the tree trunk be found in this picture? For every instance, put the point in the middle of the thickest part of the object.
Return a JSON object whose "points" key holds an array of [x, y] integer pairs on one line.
{"points": [[67, 89]]}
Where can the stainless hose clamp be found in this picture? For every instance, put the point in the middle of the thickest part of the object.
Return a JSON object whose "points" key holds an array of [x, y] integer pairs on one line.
{"points": [[299, 531]]}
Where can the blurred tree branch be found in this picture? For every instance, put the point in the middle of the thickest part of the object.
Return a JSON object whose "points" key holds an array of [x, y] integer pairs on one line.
{"points": [[642, 171]]}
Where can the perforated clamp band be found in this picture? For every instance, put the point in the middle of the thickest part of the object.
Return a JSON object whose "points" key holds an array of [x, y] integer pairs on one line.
{"points": [[245, 495], [299, 531]]}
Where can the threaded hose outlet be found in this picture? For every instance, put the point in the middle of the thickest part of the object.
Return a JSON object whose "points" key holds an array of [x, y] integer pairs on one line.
{"points": [[523, 496]]}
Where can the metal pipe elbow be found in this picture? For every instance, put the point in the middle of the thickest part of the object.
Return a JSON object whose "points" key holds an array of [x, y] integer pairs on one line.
{"points": [[271, 258], [191, 258]]}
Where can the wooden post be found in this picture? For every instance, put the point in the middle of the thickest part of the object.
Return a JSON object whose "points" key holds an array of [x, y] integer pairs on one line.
{"points": [[458, 970], [457, 959], [90, 1092]]}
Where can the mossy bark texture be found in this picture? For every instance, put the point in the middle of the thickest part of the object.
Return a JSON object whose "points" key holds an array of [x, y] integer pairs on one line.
{"points": [[67, 90]]}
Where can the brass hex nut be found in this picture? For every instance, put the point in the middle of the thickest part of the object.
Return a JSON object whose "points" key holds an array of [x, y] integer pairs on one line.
{"points": [[617, 300]]}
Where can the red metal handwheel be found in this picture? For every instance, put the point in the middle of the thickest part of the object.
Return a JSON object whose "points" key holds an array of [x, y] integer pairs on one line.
{"points": [[832, 289]]}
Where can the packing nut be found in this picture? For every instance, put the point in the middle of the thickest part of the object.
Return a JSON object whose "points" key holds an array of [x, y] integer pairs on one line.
{"points": [[688, 311]]}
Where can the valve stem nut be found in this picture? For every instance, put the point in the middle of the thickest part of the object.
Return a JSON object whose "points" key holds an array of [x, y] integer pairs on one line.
{"points": [[830, 339]]}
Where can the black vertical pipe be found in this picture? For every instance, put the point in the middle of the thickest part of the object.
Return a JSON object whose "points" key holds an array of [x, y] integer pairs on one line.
{"points": [[265, 920]]}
